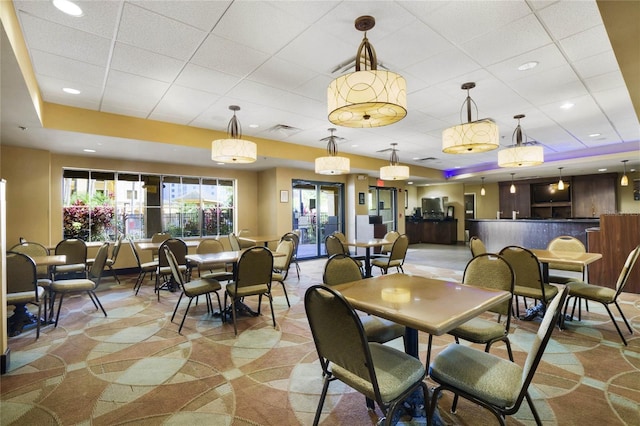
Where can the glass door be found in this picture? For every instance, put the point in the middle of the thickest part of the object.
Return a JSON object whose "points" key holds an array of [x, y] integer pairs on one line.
{"points": [[383, 203], [317, 212]]}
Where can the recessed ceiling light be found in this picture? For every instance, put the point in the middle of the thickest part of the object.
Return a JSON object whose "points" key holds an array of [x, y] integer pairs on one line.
{"points": [[71, 91], [410, 182], [89, 150], [354, 146], [567, 105], [602, 170], [254, 126], [415, 158], [594, 135], [220, 164], [528, 65], [68, 7]]}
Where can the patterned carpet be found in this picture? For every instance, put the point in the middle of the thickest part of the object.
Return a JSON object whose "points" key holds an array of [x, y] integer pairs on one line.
{"points": [[134, 368]]}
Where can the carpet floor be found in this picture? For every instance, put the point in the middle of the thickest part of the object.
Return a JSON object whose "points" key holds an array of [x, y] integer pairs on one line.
{"points": [[133, 367]]}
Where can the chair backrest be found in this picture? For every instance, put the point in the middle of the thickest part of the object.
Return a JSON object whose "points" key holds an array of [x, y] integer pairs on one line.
{"points": [[34, 250], [234, 242], [95, 273], [338, 334], [116, 248], [21, 273], [254, 267], [74, 249], [399, 248], [295, 238], [135, 251], [178, 248], [566, 243], [287, 247], [540, 341], [159, 237], [339, 269], [626, 270], [491, 271], [333, 245], [209, 246], [390, 236], [339, 235], [173, 264], [477, 246], [525, 265]]}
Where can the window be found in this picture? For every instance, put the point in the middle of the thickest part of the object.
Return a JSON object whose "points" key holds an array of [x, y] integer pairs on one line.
{"points": [[97, 205]]}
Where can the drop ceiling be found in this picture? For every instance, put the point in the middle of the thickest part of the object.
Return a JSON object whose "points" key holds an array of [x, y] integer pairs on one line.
{"points": [[185, 62]]}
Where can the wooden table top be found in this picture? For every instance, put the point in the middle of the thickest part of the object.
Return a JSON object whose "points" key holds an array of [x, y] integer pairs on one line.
{"points": [[260, 239], [425, 304], [52, 259], [221, 257], [566, 257], [155, 246], [375, 242]]}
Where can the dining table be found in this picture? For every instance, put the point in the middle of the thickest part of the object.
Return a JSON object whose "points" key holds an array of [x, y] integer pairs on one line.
{"points": [[567, 258], [420, 304], [22, 319], [367, 245], [260, 239], [230, 258], [148, 245]]}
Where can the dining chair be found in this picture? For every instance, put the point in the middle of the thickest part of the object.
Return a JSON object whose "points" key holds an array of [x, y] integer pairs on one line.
{"points": [[253, 278], [43, 274], [76, 252], [295, 237], [22, 285], [605, 295], [143, 268], [191, 289], [488, 380], [281, 264], [341, 269], [164, 278], [528, 275], [385, 250], [111, 261], [396, 257], [217, 271], [486, 270], [234, 242], [477, 246], [158, 237], [333, 245], [574, 245], [381, 373], [79, 285]]}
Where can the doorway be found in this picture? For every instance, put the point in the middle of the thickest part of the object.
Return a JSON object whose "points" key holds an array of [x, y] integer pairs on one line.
{"points": [[317, 212]]}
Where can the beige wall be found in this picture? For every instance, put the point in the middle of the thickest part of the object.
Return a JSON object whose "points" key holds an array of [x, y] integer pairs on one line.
{"points": [[626, 203], [487, 205], [455, 194]]}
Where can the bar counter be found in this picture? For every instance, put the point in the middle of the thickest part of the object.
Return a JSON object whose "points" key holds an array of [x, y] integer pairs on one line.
{"points": [[529, 233]]}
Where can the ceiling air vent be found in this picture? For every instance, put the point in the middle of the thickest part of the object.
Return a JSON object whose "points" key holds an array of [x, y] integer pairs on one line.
{"points": [[284, 129]]}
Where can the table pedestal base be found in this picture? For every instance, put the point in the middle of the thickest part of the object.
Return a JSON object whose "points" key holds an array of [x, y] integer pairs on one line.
{"points": [[21, 320]]}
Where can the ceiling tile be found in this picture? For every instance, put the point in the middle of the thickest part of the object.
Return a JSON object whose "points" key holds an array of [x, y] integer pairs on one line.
{"points": [[141, 62], [548, 57], [228, 56], [586, 43], [556, 85], [132, 91], [566, 18], [443, 67], [72, 71], [281, 74], [52, 92], [156, 33], [208, 80], [183, 102], [606, 81], [200, 14]]}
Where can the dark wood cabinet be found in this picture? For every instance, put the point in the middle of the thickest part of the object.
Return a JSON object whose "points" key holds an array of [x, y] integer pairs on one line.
{"points": [[434, 232], [519, 202], [594, 195]]}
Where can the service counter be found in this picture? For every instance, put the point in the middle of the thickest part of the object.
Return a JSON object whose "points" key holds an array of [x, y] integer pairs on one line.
{"points": [[529, 233], [432, 231]]}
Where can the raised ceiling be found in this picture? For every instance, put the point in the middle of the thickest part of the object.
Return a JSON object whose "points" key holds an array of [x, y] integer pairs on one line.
{"points": [[185, 62]]}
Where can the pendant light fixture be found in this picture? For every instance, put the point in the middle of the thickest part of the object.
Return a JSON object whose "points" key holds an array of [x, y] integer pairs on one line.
{"points": [[482, 191], [393, 171], [332, 164], [472, 136], [367, 97], [234, 149], [560, 182], [624, 181], [512, 188], [521, 153]]}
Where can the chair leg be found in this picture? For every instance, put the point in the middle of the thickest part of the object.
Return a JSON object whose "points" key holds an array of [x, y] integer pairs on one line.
{"points": [[176, 308], [285, 293], [185, 315], [38, 320], [233, 315], [273, 315], [59, 306], [428, 360], [113, 272], [623, 317], [533, 409], [91, 292], [615, 323], [323, 395], [433, 404]]}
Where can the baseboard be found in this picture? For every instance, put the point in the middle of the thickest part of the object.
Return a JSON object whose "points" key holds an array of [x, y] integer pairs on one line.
{"points": [[4, 361]]}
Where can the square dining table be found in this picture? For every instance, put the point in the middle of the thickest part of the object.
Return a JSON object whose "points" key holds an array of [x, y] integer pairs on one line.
{"points": [[419, 303], [567, 258], [260, 239], [367, 245]]}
